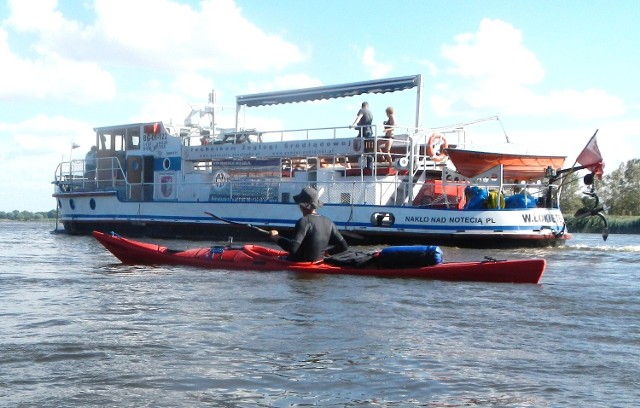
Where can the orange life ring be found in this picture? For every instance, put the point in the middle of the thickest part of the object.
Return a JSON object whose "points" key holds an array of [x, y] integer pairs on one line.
{"points": [[437, 140]]}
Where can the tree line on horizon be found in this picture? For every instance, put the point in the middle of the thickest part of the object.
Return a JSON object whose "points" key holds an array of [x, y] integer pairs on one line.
{"points": [[618, 192], [17, 215]]}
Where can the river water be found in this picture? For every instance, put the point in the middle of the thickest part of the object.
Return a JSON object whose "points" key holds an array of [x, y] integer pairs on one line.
{"points": [[80, 329]]}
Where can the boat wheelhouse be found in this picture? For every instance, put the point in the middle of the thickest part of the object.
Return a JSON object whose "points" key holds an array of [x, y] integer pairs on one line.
{"points": [[158, 180]]}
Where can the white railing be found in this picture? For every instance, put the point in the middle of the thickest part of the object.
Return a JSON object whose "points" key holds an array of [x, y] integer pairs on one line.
{"points": [[76, 176], [73, 177]]}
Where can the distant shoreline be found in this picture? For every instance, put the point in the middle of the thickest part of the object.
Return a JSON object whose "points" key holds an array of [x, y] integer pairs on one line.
{"points": [[617, 224]]}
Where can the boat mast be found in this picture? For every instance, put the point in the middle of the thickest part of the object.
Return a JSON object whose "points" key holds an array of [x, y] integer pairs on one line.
{"points": [[418, 102], [212, 110]]}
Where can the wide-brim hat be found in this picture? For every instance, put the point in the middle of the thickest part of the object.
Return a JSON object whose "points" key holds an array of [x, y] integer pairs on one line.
{"points": [[308, 195]]}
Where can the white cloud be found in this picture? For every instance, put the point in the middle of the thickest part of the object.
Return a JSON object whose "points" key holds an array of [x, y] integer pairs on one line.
{"points": [[431, 66], [590, 103], [161, 34], [615, 140], [293, 81], [50, 76], [495, 52], [191, 91], [44, 134], [619, 141], [35, 146], [193, 85], [69, 60], [376, 69], [493, 72], [36, 15], [163, 106]]}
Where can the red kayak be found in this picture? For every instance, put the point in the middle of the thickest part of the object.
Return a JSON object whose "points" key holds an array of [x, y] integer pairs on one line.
{"points": [[254, 257]]}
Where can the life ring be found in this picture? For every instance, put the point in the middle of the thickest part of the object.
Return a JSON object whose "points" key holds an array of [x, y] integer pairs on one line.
{"points": [[436, 146]]}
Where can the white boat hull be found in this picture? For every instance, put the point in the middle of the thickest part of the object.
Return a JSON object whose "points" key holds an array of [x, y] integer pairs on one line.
{"points": [[411, 225]]}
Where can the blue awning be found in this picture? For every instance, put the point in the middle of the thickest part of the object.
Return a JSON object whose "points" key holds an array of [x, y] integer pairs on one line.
{"points": [[329, 92]]}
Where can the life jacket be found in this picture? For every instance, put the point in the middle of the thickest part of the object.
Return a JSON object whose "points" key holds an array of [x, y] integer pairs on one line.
{"points": [[495, 199]]}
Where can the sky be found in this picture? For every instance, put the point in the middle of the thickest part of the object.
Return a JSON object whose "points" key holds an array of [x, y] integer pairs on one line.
{"points": [[554, 72]]}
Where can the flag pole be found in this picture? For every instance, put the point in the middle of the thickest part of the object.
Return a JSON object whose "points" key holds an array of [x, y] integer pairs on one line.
{"points": [[572, 169], [585, 146], [74, 145]]}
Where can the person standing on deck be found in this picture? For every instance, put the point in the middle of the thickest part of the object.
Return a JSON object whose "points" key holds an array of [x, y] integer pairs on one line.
{"points": [[363, 121], [389, 126], [313, 232], [90, 161]]}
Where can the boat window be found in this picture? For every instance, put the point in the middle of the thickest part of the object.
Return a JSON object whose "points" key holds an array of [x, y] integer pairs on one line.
{"points": [[119, 142], [380, 219], [105, 141], [120, 138], [133, 135], [112, 141]]}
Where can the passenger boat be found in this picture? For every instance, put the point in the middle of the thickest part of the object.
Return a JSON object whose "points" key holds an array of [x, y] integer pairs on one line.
{"points": [[156, 179], [260, 258]]}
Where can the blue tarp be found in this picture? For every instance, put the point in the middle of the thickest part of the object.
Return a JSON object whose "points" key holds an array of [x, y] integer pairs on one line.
{"points": [[521, 201]]}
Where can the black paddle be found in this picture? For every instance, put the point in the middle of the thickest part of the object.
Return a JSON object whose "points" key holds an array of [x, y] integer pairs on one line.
{"points": [[246, 225], [241, 224]]}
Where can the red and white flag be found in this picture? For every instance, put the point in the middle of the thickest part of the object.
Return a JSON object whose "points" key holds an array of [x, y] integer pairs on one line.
{"points": [[591, 158]]}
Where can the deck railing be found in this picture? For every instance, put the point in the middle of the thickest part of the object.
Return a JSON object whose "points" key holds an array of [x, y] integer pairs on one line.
{"points": [[76, 176], [393, 190], [403, 181]]}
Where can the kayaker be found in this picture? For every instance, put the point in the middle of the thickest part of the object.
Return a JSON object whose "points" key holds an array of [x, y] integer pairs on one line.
{"points": [[315, 235]]}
